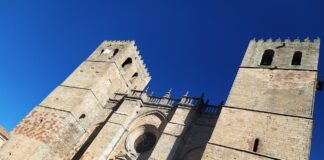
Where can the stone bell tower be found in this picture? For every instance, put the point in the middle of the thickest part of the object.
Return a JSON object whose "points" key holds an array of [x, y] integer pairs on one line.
{"points": [[269, 111], [63, 121]]}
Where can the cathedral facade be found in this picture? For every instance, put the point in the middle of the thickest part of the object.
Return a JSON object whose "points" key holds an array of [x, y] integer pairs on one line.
{"points": [[102, 111]]}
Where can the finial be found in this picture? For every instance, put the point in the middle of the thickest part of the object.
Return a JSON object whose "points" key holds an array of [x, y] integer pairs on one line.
{"points": [[278, 40], [306, 39], [186, 94], [168, 93]]}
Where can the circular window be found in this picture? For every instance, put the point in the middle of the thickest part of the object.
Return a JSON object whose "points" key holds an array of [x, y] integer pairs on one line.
{"points": [[144, 142]]}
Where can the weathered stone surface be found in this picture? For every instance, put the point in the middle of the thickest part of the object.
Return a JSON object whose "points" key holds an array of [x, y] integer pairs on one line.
{"points": [[166, 147], [174, 129], [104, 142], [183, 116], [81, 103], [276, 133], [56, 129], [126, 49], [269, 111], [213, 152], [102, 78], [195, 140], [279, 91], [283, 55], [23, 148], [101, 112]]}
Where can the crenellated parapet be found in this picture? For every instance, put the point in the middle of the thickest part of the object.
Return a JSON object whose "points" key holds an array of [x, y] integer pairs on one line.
{"points": [[125, 56], [282, 54], [296, 41]]}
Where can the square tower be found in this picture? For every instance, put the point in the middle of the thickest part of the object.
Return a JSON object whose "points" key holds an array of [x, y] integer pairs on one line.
{"points": [[269, 111], [60, 124]]}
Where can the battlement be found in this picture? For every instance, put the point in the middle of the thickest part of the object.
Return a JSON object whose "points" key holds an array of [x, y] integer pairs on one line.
{"points": [[167, 101], [295, 41], [124, 57], [127, 43], [282, 54]]}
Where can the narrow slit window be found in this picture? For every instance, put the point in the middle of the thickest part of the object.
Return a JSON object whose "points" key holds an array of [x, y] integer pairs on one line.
{"points": [[267, 57], [256, 144], [115, 52], [127, 63], [297, 58]]}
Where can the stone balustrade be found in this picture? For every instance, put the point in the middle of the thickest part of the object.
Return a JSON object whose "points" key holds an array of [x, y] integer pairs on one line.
{"points": [[186, 100]]}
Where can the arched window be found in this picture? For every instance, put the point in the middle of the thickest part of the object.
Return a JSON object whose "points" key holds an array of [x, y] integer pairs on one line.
{"points": [[267, 57], [297, 58], [135, 75], [256, 144], [109, 52], [127, 63]]}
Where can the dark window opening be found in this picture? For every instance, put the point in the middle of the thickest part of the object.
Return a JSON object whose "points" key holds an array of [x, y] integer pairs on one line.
{"points": [[135, 75], [82, 116], [267, 57], [296, 58], [256, 144], [127, 63], [144, 142], [102, 51], [319, 85], [115, 52]]}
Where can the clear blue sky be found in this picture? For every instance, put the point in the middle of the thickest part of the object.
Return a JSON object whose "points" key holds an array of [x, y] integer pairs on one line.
{"points": [[187, 45]]}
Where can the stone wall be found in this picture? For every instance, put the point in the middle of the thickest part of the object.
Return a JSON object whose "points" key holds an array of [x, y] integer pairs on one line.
{"points": [[282, 137], [269, 111], [288, 92]]}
